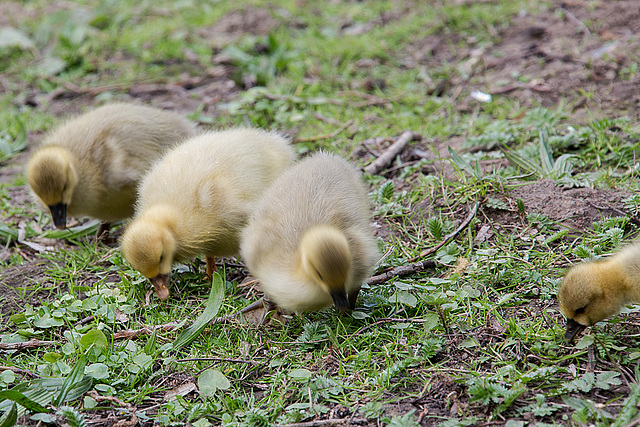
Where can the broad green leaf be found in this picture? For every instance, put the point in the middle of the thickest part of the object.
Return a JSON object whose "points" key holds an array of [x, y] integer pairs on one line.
{"points": [[211, 310], [359, 315], [143, 360], [585, 342], [18, 318], [92, 338], [51, 357], [7, 377], [211, 380], [300, 374], [404, 298], [20, 398], [9, 418], [432, 320], [607, 379], [98, 371]]}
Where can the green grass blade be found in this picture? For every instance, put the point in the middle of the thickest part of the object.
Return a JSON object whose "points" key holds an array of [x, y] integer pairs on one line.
{"points": [[546, 154], [522, 163], [74, 232], [461, 163], [73, 379], [8, 232], [629, 410], [23, 400], [10, 418], [213, 306]]}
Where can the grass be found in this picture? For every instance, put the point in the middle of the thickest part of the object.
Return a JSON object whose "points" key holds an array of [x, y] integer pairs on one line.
{"points": [[477, 340]]}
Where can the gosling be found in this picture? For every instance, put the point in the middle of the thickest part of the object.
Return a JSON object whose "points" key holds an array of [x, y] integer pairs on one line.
{"points": [[92, 164], [309, 241], [593, 291], [197, 199]]}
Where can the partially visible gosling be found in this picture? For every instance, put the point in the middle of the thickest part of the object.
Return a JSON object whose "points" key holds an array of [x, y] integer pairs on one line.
{"points": [[91, 165], [196, 200], [592, 291], [309, 242]]}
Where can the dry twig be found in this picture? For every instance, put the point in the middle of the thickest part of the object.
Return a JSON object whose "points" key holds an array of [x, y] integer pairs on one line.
{"points": [[387, 157], [325, 136], [19, 371], [26, 345], [449, 237], [401, 271], [331, 422]]}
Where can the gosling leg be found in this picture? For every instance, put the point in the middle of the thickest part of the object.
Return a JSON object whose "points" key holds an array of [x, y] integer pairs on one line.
{"points": [[211, 266], [352, 297], [102, 233]]}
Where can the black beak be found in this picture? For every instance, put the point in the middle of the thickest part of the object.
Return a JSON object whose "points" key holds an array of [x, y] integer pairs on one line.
{"points": [[340, 300], [573, 329], [59, 214]]}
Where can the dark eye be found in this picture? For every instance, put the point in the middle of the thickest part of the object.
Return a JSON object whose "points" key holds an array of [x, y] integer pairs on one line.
{"points": [[319, 275], [581, 310], [161, 258]]}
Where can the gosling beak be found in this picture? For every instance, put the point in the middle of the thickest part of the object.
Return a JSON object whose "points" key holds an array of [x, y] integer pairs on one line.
{"points": [[340, 300], [573, 329], [59, 214], [161, 285]]}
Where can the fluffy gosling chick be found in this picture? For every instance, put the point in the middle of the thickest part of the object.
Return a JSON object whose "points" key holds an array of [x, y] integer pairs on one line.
{"points": [[92, 164], [309, 241], [196, 200], [592, 291]]}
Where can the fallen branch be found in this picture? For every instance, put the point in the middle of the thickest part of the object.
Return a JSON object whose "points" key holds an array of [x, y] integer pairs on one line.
{"points": [[219, 359], [387, 157], [450, 237], [19, 371], [620, 212], [26, 345], [331, 422], [401, 271], [326, 136]]}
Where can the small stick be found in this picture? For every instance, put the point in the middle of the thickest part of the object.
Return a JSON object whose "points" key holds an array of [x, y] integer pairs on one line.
{"points": [[325, 136], [571, 17], [219, 359], [450, 236], [26, 345], [331, 422], [401, 271], [620, 212], [19, 371], [387, 157]]}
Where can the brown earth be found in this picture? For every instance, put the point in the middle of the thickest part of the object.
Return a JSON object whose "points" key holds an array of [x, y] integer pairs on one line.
{"points": [[537, 59]]}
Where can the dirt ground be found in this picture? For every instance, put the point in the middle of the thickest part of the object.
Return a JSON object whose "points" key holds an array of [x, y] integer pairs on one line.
{"points": [[537, 59]]}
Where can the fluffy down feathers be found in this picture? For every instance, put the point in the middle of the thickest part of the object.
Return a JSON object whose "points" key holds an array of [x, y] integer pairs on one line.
{"points": [[91, 165], [592, 291], [309, 242], [196, 200]]}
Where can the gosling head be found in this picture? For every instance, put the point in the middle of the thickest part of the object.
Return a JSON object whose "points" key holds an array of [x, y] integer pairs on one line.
{"points": [[326, 260], [150, 247], [53, 178], [588, 295]]}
